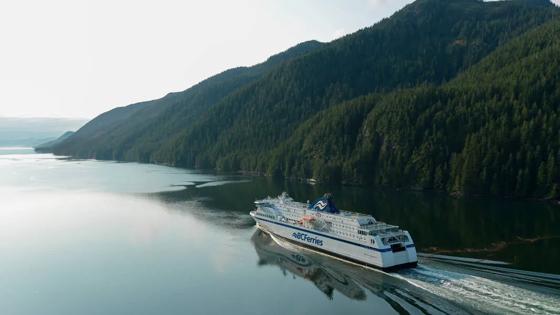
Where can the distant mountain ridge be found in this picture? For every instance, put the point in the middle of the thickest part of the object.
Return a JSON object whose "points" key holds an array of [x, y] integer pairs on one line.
{"points": [[28, 132], [272, 118]]}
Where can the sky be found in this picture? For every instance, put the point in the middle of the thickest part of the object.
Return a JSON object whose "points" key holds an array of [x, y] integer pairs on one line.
{"points": [[80, 58]]}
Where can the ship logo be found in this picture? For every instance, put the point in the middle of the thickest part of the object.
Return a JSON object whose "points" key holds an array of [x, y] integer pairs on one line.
{"points": [[321, 205], [324, 204]]}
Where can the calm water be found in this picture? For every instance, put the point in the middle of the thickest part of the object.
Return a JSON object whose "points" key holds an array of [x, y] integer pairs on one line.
{"points": [[90, 237]]}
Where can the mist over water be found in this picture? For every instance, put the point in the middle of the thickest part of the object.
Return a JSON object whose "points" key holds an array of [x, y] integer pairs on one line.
{"points": [[91, 237]]}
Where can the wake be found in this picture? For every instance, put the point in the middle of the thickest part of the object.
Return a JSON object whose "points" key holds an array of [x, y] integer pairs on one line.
{"points": [[481, 293]]}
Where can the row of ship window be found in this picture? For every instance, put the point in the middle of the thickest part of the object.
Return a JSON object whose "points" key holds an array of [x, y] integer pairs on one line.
{"points": [[350, 235], [270, 216]]}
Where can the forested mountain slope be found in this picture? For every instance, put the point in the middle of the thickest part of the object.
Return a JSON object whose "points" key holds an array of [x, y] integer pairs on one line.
{"points": [[493, 130], [349, 110], [429, 41]]}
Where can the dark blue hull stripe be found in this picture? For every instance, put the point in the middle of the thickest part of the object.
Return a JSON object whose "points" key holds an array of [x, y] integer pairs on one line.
{"points": [[349, 259], [328, 236]]}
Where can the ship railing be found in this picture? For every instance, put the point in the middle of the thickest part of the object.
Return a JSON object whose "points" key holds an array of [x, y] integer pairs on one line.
{"points": [[382, 225]]}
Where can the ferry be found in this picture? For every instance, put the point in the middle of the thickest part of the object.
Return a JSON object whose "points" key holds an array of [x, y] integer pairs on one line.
{"points": [[322, 227]]}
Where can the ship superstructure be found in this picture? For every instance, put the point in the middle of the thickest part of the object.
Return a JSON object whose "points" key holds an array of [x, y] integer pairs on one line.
{"points": [[321, 226]]}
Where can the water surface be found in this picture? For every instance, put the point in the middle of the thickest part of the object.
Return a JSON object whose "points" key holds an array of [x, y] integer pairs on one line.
{"points": [[91, 237]]}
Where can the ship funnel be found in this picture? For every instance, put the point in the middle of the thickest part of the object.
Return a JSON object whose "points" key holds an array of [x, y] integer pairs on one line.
{"points": [[324, 204]]}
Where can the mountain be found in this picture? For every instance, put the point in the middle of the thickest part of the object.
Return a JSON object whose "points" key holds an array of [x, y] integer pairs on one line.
{"points": [[429, 41], [15, 131], [336, 112]]}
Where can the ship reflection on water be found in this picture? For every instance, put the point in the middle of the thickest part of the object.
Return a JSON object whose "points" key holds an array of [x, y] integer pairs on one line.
{"points": [[326, 277]]}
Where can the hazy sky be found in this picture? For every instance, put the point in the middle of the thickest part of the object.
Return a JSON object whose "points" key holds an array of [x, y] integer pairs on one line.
{"points": [[79, 58]]}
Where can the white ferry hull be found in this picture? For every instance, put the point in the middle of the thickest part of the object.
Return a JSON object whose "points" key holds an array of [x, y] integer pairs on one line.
{"points": [[345, 249]]}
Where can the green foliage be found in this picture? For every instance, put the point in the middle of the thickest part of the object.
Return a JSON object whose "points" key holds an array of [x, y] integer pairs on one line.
{"points": [[493, 130]]}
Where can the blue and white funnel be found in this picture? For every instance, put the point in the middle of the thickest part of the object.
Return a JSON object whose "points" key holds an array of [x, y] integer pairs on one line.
{"points": [[324, 204]]}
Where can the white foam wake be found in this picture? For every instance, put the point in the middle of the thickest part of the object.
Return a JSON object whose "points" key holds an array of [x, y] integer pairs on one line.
{"points": [[481, 294]]}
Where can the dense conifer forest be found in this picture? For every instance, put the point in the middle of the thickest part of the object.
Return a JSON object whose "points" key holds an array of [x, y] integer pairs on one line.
{"points": [[460, 96], [495, 129]]}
